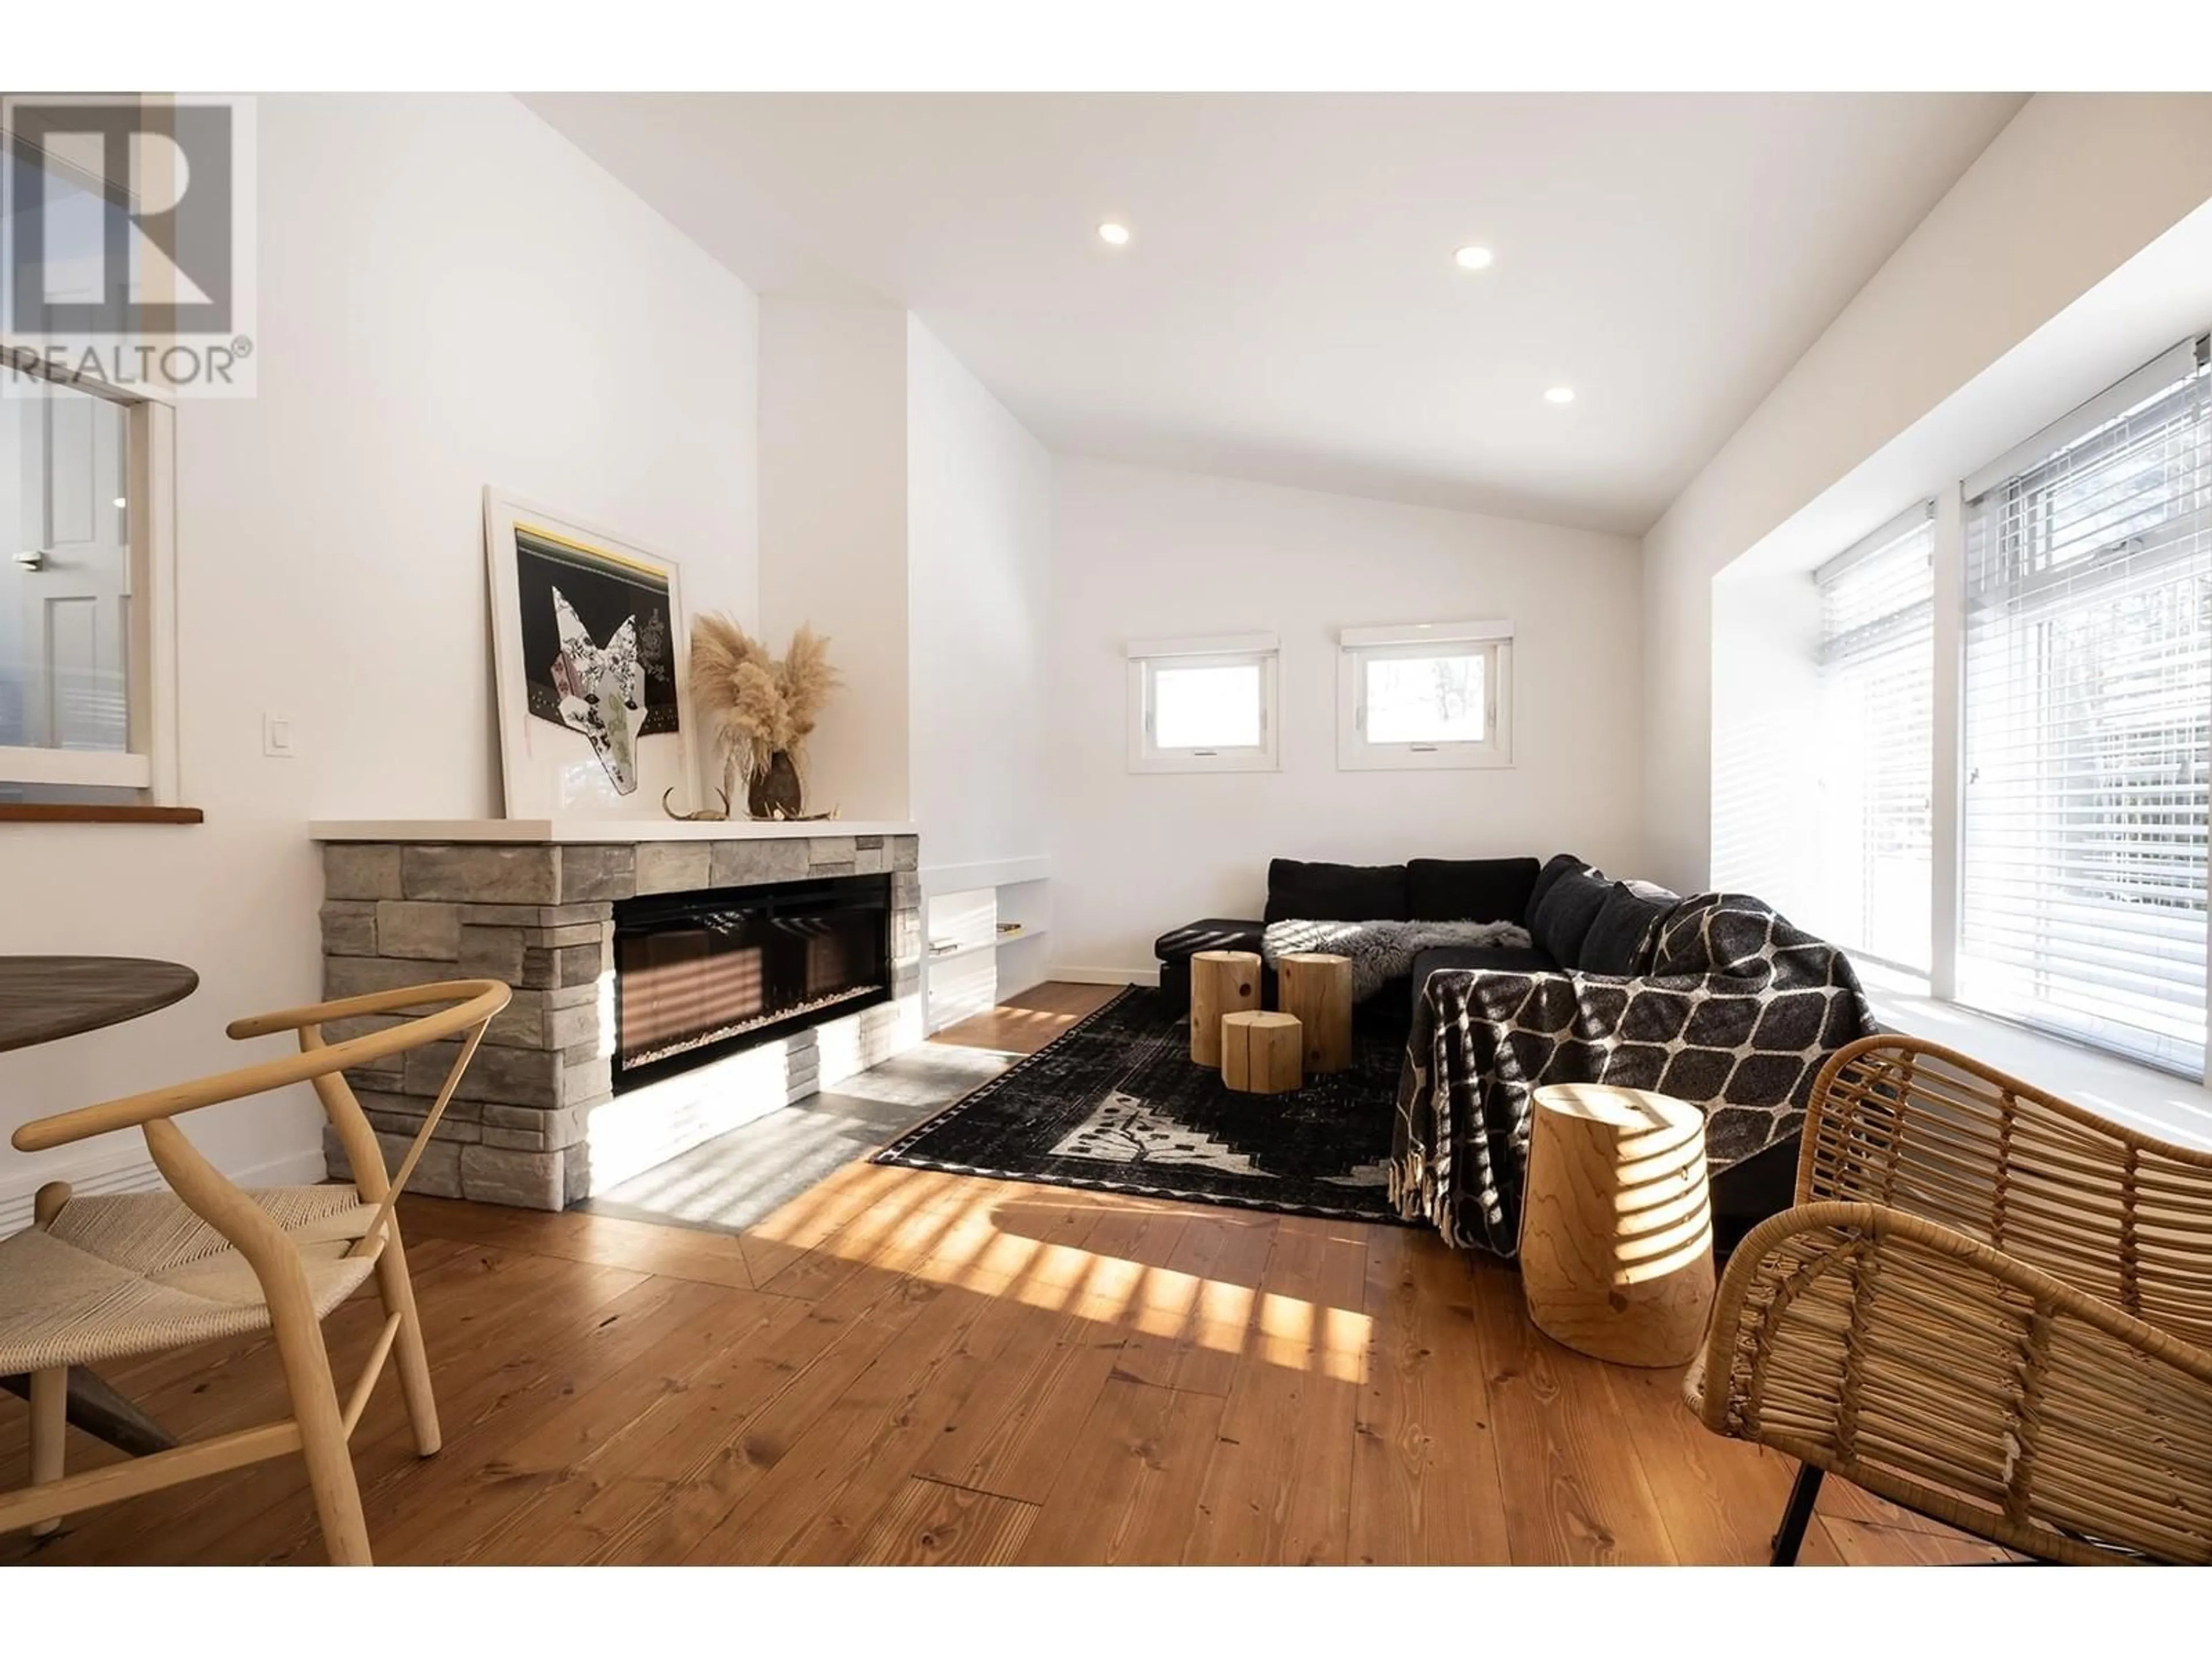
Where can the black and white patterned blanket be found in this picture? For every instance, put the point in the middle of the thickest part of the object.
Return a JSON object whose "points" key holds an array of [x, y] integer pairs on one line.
{"points": [[1383, 950], [1735, 1012]]}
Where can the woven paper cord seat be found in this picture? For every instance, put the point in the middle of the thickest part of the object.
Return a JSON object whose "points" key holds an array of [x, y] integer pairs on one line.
{"points": [[138, 1272]]}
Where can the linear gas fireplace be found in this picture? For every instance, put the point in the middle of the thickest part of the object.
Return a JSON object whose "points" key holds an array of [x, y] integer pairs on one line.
{"points": [[701, 975]]}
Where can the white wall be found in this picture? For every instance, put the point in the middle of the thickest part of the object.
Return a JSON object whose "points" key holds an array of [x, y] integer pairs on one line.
{"points": [[833, 524], [1766, 715], [979, 548], [2070, 191], [1144, 553], [451, 296]]}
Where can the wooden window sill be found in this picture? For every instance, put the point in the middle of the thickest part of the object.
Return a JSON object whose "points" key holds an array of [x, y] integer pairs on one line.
{"points": [[52, 812]]}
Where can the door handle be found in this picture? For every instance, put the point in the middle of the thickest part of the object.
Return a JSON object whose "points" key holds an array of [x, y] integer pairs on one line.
{"points": [[32, 558]]}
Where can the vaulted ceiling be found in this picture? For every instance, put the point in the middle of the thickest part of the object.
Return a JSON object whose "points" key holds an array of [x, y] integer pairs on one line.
{"points": [[1287, 306]]}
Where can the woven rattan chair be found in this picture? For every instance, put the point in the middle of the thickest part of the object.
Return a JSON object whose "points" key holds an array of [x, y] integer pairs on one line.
{"points": [[1990, 1306], [95, 1280]]}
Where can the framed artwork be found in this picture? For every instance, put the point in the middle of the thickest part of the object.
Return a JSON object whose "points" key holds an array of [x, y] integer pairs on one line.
{"points": [[592, 665]]}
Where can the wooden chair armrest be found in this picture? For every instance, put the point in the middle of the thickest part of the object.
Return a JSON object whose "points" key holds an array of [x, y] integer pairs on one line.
{"points": [[1956, 1379], [397, 1001], [472, 1003]]}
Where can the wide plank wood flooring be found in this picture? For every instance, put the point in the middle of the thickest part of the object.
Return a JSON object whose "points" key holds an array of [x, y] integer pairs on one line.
{"points": [[903, 1366]]}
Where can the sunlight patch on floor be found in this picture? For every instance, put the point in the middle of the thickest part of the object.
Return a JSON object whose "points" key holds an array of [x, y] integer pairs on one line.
{"points": [[957, 1240]]}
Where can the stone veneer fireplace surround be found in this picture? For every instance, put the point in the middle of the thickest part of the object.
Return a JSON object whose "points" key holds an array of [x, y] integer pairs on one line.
{"points": [[537, 1122]]}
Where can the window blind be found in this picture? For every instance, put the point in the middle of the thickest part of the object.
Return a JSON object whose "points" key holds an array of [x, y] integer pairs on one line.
{"points": [[2088, 724], [1877, 692]]}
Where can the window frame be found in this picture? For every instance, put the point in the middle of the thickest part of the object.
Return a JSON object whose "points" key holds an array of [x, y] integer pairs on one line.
{"points": [[149, 764], [1146, 658], [1492, 641]]}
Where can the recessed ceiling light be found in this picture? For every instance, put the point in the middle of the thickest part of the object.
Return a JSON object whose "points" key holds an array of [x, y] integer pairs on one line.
{"points": [[1472, 259], [1560, 394], [1114, 234]]}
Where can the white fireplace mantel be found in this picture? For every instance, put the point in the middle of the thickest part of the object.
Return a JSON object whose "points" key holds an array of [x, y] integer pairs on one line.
{"points": [[618, 831]]}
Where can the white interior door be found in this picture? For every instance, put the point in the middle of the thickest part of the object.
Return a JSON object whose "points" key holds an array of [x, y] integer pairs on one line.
{"points": [[73, 571]]}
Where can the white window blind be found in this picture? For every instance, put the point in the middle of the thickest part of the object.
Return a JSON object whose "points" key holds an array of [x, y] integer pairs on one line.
{"points": [[1877, 690], [2088, 723]]}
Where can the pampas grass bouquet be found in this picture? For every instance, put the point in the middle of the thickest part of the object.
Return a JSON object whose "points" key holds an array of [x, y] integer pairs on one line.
{"points": [[762, 709]]}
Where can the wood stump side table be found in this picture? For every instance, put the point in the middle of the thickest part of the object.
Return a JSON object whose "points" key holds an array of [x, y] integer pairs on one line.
{"points": [[1221, 982], [1261, 1053], [1616, 1227], [1316, 987]]}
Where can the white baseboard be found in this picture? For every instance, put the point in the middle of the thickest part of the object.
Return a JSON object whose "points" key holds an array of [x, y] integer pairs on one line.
{"points": [[1079, 976], [132, 1171], [301, 1169]]}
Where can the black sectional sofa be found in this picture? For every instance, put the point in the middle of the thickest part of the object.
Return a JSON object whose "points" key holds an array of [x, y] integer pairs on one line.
{"points": [[1575, 918], [1724, 1022]]}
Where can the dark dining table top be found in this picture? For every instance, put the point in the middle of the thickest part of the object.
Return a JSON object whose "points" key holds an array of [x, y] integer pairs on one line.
{"points": [[45, 998]]}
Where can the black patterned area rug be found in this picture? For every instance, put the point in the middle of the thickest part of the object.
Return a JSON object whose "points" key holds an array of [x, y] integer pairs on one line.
{"points": [[1115, 1103]]}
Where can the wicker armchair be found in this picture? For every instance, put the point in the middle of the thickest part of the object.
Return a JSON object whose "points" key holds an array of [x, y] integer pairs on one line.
{"points": [[1988, 1305], [104, 1278]]}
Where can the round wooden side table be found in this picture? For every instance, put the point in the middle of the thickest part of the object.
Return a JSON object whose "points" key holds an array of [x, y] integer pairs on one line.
{"points": [[1261, 1053], [1221, 982], [1616, 1227], [1316, 987]]}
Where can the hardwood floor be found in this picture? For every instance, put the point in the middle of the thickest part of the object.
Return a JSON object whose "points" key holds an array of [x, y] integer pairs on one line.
{"points": [[1024, 1022], [906, 1366]]}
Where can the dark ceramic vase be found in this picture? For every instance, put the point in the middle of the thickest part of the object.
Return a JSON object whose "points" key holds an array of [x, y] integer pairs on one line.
{"points": [[775, 791]]}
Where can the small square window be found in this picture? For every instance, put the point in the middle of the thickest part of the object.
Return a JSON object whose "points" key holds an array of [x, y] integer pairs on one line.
{"points": [[1203, 705], [1415, 697], [1207, 706]]}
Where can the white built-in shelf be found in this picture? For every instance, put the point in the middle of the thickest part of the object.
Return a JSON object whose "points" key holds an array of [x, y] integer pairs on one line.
{"points": [[977, 947], [617, 831], [937, 879]]}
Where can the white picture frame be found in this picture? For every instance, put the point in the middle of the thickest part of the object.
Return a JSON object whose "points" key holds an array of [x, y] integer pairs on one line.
{"points": [[585, 717]]}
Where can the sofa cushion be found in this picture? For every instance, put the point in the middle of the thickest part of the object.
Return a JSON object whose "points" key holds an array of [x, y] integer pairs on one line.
{"points": [[1566, 913], [1469, 890], [1504, 958], [1297, 892], [1628, 926], [1555, 866], [1213, 934]]}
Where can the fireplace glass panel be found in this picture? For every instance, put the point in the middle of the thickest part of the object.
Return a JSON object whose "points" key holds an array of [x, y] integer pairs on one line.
{"points": [[701, 975]]}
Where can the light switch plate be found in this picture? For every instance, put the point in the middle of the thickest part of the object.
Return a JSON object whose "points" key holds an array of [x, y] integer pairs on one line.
{"points": [[277, 737]]}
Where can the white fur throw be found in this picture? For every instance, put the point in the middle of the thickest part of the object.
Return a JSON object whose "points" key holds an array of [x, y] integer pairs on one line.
{"points": [[1383, 951]]}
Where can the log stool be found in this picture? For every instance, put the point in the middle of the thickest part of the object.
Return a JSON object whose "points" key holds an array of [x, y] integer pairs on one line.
{"points": [[1259, 1053], [1616, 1228], [1221, 982], [1317, 989]]}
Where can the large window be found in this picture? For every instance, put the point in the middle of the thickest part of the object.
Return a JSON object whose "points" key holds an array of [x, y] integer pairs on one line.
{"points": [[1203, 705], [2087, 702], [1877, 683], [1433, 694]]}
